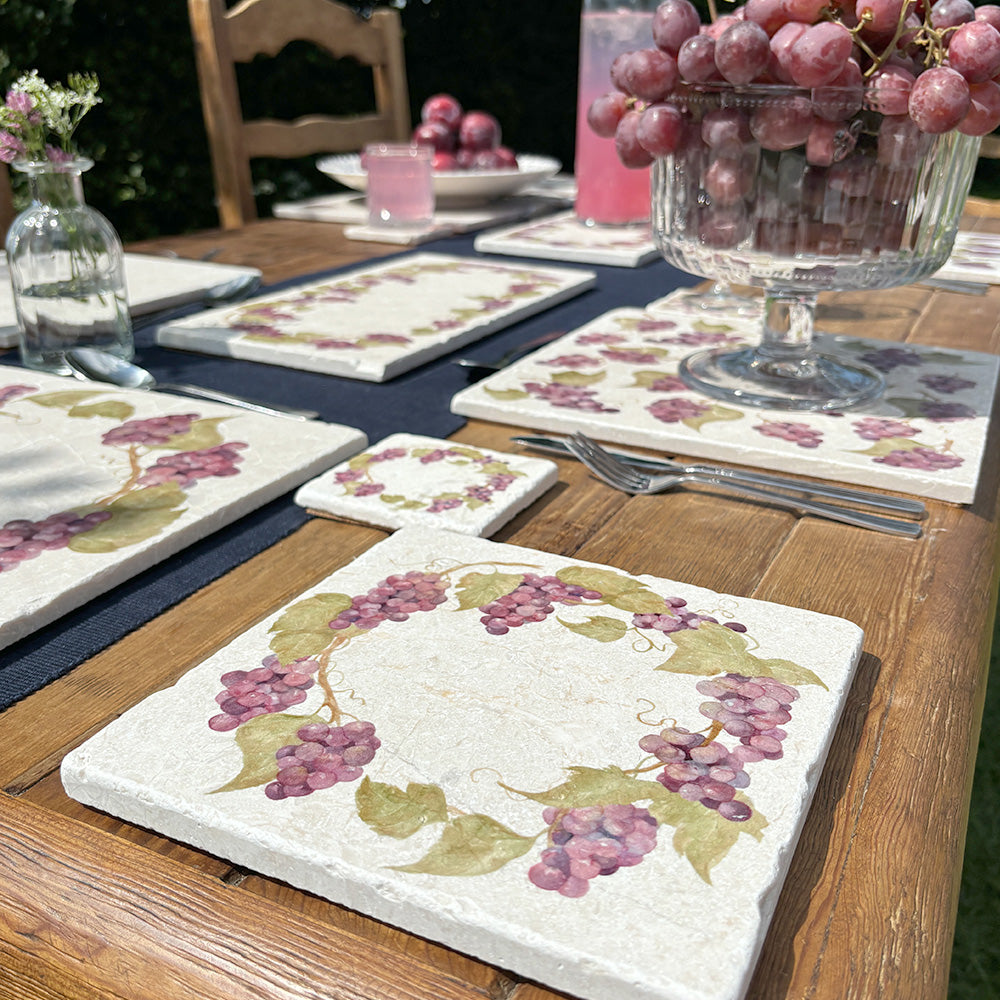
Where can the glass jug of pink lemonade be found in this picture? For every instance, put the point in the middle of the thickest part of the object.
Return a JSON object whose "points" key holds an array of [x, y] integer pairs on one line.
{"points": [[607, 192]]}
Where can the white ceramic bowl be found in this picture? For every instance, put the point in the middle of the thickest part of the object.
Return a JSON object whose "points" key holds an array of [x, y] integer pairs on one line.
{"points": [[453, 188]]}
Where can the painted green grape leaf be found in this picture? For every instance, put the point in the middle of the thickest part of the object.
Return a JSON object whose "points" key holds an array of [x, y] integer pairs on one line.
{"points": [[643, 602], [606, 582], [112, 409], [646, 379], [259, 740], [786, 671], [885, 445], [203, 433], [476, 589], [703, 326], [392, 812], [63, 400], [505, 394], [578, 378], [908, 406], [135, 517], [714, 649], [712, 415], [304, 629], [360, 461], [499, 468], [592, 786], [598, 627], [471, 845], [701, 835], [471, 453]]}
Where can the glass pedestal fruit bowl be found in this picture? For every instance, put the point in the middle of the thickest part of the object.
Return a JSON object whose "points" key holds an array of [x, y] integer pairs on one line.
{"points": [[799, 192]]}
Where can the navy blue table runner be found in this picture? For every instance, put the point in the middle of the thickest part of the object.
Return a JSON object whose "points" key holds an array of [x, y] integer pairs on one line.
{"points": [[417, 401]]}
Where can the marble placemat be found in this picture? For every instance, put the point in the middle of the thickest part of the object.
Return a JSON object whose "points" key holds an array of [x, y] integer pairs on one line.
{"points": [[565, 237], [456, 736], [410, 479], [616, 379], [101, 483], [152, 282], [351, 210], [975, 257], [379, 320]]}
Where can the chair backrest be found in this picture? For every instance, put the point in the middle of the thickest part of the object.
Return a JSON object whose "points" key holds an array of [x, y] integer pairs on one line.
{"points": [[7, 211], [264, 27]]}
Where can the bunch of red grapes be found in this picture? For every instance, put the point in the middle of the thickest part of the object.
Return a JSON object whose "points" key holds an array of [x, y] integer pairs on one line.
{"points": [[927, 67], [462, 140]]}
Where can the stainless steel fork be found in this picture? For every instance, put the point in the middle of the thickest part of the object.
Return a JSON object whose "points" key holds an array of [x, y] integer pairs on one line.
{"points": [[631, 480]]}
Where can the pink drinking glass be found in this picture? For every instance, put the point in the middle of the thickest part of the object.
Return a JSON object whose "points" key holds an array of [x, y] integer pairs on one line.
{"points": [[400, 185]]}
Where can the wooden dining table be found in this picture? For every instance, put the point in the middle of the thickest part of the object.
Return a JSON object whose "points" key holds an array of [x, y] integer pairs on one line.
{"points": [[93, 908]]}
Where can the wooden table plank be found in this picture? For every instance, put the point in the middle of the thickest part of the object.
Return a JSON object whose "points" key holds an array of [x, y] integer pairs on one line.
{"points": [[93, 909]]}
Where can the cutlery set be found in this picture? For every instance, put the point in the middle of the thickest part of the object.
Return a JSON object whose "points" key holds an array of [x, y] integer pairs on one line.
{"points": [[640, 474]]}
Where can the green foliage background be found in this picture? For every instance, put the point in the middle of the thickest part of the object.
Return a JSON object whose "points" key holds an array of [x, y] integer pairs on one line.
{"points": [[152, 176]]}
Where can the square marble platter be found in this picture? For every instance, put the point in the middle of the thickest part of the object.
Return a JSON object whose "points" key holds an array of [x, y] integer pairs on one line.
{"points": [[379, 320], [565, 237], [410, 479], [433, 764], [126, 478], [152, 283], [974, 257], [616, 379]]}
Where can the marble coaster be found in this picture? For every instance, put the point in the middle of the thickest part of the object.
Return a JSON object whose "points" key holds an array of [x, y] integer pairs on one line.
{"points": [[565, 237], [616, 379], [407, 479], [101, 483], [380, 320], [351, 210], [461, 764]]}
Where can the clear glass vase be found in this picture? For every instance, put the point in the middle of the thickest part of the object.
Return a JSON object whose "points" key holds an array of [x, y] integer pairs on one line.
{"points": [[67, 271]]}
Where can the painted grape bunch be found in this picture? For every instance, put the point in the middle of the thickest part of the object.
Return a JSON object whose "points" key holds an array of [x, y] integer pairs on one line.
{"points": [[393, 599], [533, 601], [268, 688], [22, 539], [585, 843], [323, 757]]}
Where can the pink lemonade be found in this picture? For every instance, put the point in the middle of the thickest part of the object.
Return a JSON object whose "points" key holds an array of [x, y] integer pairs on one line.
{"points": [[400, 186], [607, 192]]}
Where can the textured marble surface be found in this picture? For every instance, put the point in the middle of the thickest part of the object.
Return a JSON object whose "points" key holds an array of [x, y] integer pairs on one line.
{"points": [[616, 379], [385, 742], [101, 483], [379, 320], [410, 479]]}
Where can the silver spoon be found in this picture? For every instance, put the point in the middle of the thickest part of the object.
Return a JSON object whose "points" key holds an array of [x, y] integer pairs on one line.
{"points": [[228, 293], [98, 366]]}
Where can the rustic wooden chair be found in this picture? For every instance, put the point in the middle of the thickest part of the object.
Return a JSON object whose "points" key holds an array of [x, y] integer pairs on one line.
{"points": [[223, 38]]}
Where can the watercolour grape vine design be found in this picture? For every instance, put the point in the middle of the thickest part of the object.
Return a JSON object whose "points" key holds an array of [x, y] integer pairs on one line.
{"points": [[161, 459], [597, 820], [268, 321], [626, 363]]}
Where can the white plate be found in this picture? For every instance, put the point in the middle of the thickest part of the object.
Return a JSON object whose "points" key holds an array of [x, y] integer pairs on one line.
{"points": [[454, 188]]}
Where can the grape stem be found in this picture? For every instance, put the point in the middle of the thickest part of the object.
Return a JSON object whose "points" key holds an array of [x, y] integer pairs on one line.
{"points": [[925, 36], [135, 471]]}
